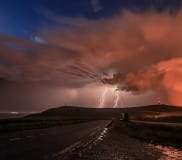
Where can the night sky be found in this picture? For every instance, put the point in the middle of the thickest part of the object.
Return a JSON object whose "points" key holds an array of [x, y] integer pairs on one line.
{"points": [[90, 53]]}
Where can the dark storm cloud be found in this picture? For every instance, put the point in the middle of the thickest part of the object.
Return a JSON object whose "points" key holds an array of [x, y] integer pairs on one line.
{"points": [[132, 46], [23, 60]]}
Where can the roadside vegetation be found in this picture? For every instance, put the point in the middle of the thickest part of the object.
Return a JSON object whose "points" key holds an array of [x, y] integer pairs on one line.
{"points": [[21, 124], [150, 133], [168, 119]]}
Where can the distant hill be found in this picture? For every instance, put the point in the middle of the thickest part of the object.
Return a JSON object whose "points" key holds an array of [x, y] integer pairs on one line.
{"points": [[71, 115], [70, 112]]}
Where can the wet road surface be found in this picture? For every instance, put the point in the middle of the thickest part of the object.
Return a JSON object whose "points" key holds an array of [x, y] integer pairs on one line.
{"points": [[45, 144]]}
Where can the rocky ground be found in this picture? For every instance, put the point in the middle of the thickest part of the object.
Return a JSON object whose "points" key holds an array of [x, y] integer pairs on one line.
{"points": [[112, 145]]}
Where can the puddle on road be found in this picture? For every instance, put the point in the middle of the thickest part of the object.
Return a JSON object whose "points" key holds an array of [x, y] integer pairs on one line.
{"points": [[170, 153], [102, 135]]}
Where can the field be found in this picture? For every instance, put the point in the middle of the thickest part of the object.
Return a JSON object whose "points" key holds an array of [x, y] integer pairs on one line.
{"points": [[152, 133], [71, 115]]}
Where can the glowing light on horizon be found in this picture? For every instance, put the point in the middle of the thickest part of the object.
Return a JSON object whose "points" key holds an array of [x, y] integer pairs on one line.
{"points": [[14, 113]]}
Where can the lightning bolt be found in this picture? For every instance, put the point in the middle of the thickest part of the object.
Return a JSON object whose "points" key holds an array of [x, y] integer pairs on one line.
{"points": [[111, 91], [116, 99], [102, 98]]}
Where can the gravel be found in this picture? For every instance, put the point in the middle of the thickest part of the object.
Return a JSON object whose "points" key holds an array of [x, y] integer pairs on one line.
{"points": [[114, 146]]}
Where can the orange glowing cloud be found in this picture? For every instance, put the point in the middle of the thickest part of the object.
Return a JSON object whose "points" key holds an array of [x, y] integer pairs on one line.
{"points": [[172, 80], [139, 52]]}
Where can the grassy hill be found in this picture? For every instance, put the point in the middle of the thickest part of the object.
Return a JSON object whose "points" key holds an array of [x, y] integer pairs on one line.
{"points": [[70, 115], [69, 112]]}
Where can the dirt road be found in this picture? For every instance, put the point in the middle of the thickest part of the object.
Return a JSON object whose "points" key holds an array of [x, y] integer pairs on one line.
{"points": [[114, 146]]}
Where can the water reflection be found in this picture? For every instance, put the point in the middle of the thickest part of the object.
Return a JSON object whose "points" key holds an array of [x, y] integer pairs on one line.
{"points": [[169, 153], [103, 133]]}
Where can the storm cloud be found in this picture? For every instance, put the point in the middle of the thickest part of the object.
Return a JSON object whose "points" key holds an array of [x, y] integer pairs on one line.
{"points": [[137, 52]]}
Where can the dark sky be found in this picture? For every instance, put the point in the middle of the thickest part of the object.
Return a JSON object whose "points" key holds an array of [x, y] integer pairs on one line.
{"points": [[23, 18], [89, 53]]}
